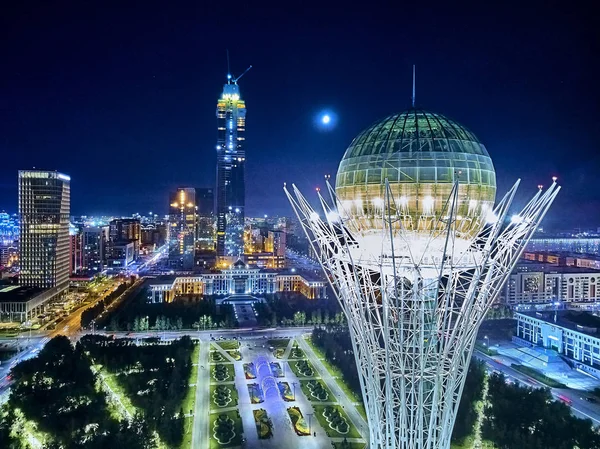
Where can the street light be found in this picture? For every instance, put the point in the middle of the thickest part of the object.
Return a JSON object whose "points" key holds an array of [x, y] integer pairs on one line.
{"points": [[309, 422], [487, 340], [294, 384]]}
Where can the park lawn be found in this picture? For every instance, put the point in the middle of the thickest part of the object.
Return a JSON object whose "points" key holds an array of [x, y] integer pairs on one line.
{"points": [[279, 343], [235, 354], [230, 371], [297, 353], [190, 397], [238, 429], [234, 397], [334, 372], [468, 444], [352, 431], [352, 445], [113, 384], [537, 375], [306, 391], [296, 371], [188, 424], [229, 344]]}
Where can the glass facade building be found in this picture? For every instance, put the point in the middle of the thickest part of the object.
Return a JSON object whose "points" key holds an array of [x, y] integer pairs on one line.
{"points": [[183, 220], [421, 154], [44, 212], [230, 199]]}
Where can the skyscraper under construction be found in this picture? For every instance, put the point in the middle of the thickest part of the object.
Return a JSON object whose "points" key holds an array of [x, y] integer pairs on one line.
{"points": [[230, 195]]}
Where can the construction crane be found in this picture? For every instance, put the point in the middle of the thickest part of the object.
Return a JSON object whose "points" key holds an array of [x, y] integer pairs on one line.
{"points": [[235, 80]]}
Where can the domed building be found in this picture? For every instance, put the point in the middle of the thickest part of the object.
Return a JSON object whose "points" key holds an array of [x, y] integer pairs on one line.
{"points": [[421, 154]]}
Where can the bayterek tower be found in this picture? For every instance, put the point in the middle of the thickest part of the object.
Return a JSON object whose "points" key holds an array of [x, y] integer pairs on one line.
{"points": [[416, 250]]}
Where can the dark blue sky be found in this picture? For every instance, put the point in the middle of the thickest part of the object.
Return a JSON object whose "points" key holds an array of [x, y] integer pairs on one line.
{"points": [[122, 98]]}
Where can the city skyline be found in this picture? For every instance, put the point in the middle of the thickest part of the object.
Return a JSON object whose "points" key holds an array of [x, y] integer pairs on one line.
{"points": [[531, 103]]}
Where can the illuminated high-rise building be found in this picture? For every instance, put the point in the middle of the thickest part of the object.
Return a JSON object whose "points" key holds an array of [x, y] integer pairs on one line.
{"points": [[230, 191], [44, 208], [183, 220], [205, 202]]}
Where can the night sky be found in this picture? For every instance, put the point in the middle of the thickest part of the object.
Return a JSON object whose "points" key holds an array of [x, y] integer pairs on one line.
{"points": [[123, 98]]}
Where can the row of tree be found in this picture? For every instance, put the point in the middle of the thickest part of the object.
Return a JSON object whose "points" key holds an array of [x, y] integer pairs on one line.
{"points": [[140, 315], [523, 417], [91, 313], [294, 309], [336, 344]]}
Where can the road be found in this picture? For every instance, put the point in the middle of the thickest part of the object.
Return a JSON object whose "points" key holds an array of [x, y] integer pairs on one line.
{"points": [[579, 407]]}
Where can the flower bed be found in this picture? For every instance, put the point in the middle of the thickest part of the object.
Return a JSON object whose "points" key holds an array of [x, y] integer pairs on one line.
{"points": [[216, 357], [264, 425], [235, 355], [250, 370], [276, 369], [285, 391], [298, 421], [256, 393], [278, 353]]}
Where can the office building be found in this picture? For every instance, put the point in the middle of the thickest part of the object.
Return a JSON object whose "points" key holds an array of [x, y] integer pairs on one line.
{"points": [[182, 228], [237, 280], [231, 156], [76, 252], [205, 232], [539, 283], [94, 248], [124, 242], [571, 333], [44, 208]]}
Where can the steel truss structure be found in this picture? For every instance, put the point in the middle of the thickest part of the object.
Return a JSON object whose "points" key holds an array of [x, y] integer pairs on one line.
{"points": [[414, 301]]}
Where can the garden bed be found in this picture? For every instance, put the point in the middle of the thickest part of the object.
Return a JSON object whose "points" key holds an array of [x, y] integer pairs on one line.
{"points": [[223, 396], [264, 425], [316, 391], [225, 429], [276, 369], [249, 370], [222, 372], [302, 368], [335, 421], [298, 421], [285, 391], [256, 394]]}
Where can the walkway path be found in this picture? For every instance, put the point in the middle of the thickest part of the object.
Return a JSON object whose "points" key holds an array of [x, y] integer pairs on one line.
{"points": [[200, 437], [347, 404]]}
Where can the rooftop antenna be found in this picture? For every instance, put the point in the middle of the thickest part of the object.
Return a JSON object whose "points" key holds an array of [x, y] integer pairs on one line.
{"points": [[228, 71], [414, 88]]}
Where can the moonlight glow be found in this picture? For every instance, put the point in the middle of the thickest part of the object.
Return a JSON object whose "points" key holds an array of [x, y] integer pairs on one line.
{"points": [[325, 119]]}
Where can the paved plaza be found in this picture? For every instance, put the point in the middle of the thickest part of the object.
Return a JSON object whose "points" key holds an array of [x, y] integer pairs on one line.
{"points": [[260, 352]]}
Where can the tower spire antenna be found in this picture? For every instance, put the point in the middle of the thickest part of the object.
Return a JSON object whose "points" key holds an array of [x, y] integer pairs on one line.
{"points": [[414, 89], [228, 69]]}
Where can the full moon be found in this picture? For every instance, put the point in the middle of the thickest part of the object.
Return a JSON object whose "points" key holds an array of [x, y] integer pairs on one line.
{"points": [[325, 119]]}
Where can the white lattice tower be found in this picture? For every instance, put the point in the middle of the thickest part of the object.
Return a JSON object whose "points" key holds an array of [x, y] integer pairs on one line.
{"points": [[414, 302]]}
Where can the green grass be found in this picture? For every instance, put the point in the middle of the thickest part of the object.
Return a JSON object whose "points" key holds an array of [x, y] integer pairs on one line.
{"points": [[350, 445], [113, 384], [531, 372], [306, 391], [238, 429], [229, 344], [190, 396], [361, 409], [294, 368], [297, 353], [334, 372], [468, 444], [486, 349], [230, 371], [188, 425], [278, 344], [234, 397], [352, 431]]}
